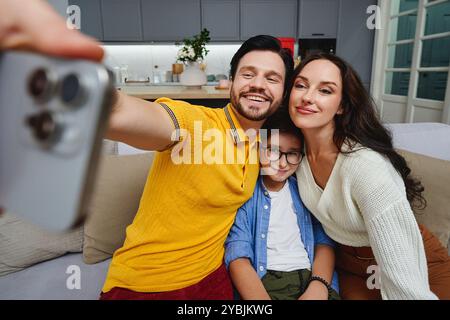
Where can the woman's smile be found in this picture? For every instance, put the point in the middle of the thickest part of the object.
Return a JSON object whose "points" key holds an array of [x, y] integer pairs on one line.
{"points": [[305, 110]]}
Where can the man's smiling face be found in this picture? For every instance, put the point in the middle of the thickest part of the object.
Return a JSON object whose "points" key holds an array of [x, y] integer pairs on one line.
{"points": [[258, 86]]}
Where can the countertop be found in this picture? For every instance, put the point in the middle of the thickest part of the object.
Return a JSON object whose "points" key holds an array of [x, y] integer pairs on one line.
{"points": [[175, 92]]}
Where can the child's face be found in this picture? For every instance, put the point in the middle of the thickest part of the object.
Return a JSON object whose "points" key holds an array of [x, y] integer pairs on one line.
{"points": [[289, 147]]}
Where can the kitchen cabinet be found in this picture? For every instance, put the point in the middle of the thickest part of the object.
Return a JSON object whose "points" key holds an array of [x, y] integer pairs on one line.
{"points": [[354, 40], [318, 18], [170, 20], [122, 20], [90, 17], [277, 18], [235, 20], [221, 18], [60, 6]]}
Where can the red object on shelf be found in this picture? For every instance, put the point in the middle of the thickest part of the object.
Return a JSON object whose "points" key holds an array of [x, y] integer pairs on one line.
{"points": [[288, 43]]}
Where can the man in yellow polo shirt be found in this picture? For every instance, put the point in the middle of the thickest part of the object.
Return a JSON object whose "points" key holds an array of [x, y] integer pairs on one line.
{"points": [[206, 168]]}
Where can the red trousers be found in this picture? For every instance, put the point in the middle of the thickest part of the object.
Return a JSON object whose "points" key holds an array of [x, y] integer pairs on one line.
{"points": [[216, 286]]}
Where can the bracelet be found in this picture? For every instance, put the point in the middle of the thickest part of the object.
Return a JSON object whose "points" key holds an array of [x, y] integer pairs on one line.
{"points": [[324, 282]]}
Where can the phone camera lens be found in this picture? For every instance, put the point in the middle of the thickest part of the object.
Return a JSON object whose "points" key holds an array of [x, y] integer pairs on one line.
{"points": [[42, 125], [71, 90], [40, 84]]}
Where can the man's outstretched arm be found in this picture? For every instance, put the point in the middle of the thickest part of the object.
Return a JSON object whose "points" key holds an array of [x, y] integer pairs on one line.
{"points": [[140, 123]]}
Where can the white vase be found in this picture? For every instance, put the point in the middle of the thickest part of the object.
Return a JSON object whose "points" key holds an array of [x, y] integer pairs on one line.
{"points": [[192, 75]]}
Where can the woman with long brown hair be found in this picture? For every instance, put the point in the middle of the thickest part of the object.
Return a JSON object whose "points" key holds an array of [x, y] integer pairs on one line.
{"points": [[359, 187]]}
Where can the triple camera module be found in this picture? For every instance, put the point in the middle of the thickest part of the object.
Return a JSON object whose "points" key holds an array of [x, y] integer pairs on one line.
{"points": [[42, 87]]}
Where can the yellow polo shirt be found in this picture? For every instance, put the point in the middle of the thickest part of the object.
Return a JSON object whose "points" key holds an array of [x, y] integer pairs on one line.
{"points": [[189, 202]]}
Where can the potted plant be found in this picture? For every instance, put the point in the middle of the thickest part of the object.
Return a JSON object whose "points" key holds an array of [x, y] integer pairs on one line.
{"points": [[192, 54]]}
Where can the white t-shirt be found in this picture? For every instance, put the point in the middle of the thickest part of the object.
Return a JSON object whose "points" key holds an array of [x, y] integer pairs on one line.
{"points": [[285, 248]]}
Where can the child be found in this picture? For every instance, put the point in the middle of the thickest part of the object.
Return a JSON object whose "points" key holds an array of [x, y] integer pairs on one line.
{"points": [[275, 246]]}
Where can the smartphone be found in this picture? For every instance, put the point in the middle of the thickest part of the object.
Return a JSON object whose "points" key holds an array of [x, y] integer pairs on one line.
{"points": [[53, 114]]}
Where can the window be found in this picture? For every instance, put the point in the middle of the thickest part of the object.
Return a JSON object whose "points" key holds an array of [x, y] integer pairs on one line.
{"points": [[432, 85], [416, 55], [400, 56], [437, 18], [399, 6], [397, 83], [403, 24], [435, 54]]}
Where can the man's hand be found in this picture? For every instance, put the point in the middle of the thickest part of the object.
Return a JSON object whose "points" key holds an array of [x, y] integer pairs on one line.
{"points": [[33, 25], [315, 291]]}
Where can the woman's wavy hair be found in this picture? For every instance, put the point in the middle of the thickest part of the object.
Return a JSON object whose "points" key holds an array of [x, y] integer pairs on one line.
{"points": [[359, 123]]}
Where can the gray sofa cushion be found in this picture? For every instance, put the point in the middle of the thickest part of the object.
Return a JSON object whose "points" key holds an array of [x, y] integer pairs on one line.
{"points": [[48, 280]]}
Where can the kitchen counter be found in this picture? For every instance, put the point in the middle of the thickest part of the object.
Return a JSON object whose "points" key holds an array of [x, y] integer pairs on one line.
{"points": [[175, 92]]}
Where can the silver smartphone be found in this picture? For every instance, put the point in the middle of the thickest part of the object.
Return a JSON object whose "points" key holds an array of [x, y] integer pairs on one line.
{"points": [[53, 113]]}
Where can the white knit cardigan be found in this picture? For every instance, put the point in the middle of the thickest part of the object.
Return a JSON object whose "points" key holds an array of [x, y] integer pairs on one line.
{"points": [[364, 204]]}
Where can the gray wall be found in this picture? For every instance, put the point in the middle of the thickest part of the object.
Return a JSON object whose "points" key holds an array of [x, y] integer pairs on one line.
{"points": [[60, 6]]}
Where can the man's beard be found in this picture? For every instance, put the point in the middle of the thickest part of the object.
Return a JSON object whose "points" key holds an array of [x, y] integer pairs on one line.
{"points": [[250, 114]]}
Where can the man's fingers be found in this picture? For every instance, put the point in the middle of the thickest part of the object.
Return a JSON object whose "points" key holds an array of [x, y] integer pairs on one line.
{"points": [[50, 35], [34, 26], [69, 44]]}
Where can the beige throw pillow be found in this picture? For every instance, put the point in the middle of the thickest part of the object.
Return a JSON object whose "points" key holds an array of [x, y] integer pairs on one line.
{"points": [[23, 244], [114, 203], [435, 177]]}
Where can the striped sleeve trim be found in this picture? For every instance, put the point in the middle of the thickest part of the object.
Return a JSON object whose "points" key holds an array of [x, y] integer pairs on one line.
{"points": [[174, 120], [233, 127], [175, 123]]}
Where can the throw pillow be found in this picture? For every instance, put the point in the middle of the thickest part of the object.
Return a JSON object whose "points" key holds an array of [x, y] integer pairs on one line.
{"points": [[435, 177], [23, 244], [114, 203]]}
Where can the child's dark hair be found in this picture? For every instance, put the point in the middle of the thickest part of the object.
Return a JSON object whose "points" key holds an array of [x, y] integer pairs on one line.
{"points": [[282, 121]]}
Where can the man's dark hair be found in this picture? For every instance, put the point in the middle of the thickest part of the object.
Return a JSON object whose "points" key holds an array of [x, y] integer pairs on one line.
{"points": [[264, 43]]}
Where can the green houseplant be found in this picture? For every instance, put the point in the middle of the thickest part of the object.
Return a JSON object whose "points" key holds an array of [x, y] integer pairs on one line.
{"points": [[192, 54], [194, 49]]}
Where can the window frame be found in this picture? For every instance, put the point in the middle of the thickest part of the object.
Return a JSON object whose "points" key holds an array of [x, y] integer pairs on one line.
{"points": [[383, 46]]}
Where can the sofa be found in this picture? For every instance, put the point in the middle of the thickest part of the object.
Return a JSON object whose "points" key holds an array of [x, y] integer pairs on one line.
{"points": [[426, 147]]}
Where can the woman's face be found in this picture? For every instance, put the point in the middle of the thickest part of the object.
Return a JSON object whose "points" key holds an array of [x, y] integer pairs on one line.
{"points": [[316, 95]]}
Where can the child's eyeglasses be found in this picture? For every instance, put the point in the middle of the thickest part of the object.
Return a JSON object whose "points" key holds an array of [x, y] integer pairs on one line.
{"points": [[292, 157]]}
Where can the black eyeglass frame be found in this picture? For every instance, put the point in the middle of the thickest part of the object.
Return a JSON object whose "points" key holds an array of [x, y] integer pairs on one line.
{"points": [[281, 153]]}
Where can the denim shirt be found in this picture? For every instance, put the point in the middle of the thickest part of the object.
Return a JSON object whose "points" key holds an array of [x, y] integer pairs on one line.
{"points": [[248, 235]]}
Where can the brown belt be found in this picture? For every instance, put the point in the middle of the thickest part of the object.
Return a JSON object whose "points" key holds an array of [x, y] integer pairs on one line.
{"points": [[362, 253]]}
